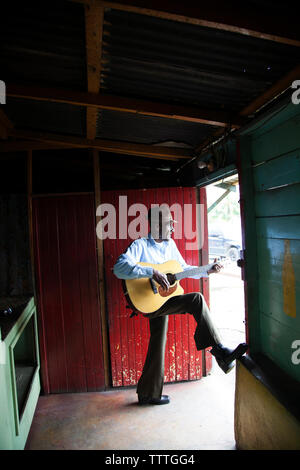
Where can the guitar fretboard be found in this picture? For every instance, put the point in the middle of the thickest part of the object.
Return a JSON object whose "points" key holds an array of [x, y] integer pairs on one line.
{"points": [[194, 271]]}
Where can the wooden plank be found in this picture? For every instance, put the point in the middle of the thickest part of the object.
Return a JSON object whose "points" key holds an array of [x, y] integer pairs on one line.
{"points": [[52, 332], [278, 227], [180, 340], [274, 247], [275, 173], [280, 140], [249, 239], [101, 279], [129, 105], [39, 297], [172, 366], [275, 333], [278, 202], [69, 281], [93, 33], [271, 302], [192, 257], [91, 324], [204, 259], [30, 221], [24, 145], [126, 326], [271, 286], [122, 148], [114, 314]]}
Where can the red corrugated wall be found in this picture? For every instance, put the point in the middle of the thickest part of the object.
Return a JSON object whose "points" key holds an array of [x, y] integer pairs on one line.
{"points": [[129, 336], [67, 291]]}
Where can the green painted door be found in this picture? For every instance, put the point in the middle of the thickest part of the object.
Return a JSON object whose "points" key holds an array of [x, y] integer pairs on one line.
{"points": [[269, 171]]}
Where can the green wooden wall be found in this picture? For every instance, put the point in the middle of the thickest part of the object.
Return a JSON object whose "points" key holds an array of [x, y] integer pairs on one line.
{"points": [[269, 153]]}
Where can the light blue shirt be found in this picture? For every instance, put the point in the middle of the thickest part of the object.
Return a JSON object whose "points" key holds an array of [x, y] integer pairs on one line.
{"points": [[147, 250]]}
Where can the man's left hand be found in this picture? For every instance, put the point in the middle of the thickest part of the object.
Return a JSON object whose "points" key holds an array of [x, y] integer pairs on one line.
{"points": [[216, 268]]}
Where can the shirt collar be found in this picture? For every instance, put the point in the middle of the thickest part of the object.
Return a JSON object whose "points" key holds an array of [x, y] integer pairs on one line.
{"points": [[154, 243]]}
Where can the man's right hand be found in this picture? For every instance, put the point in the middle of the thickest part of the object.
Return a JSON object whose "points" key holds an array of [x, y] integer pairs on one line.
{"points": [[161, 279]]}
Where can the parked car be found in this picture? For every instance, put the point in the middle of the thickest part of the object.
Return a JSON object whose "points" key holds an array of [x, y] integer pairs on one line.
{"points": [[222, 246]]}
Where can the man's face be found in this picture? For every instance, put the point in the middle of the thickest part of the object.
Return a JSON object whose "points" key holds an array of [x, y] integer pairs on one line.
{"points": [[162, 229]]}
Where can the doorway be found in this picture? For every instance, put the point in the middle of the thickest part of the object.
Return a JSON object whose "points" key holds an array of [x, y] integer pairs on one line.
{"points": [[226, 289]]}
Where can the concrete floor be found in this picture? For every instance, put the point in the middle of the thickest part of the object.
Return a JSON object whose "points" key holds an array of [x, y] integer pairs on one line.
{"points": [[200, 415]]}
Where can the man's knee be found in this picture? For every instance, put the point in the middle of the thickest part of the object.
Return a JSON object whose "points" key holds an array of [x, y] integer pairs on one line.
{"points": [[194, 301], [195, 297]]}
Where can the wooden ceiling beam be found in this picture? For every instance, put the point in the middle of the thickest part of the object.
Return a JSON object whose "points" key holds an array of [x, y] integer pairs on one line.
{"points": [[123, 148], [123, 104], [24, 145], [94, 12]]}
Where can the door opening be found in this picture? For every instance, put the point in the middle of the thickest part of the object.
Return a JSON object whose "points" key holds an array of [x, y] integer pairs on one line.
{"points": [[226, 289]]}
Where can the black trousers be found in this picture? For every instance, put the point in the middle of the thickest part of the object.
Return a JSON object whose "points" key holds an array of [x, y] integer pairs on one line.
{"points": [[152, 379]]}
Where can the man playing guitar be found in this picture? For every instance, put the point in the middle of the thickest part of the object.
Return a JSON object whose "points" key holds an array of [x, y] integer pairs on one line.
{"points": [[135, 265]]}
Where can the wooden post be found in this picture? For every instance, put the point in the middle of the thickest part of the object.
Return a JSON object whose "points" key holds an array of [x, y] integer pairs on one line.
{"points": [[101, 282], [29, 205], [94, 12]]}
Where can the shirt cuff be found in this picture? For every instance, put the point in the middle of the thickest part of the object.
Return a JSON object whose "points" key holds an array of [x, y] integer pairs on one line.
{"points": [[147, 272]]}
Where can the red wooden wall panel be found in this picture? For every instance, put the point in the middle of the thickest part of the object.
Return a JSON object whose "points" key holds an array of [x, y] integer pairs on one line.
{"points": [[128, 337], [67, 292]]}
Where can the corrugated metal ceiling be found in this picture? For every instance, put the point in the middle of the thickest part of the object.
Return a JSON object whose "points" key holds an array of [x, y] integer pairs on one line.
{"points": [[43, 43], [169, 61], [142, 57], [58, 118], [143, 129]]}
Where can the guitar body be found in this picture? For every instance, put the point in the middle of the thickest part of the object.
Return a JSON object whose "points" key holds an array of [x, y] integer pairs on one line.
{"points": [[145, 295]]}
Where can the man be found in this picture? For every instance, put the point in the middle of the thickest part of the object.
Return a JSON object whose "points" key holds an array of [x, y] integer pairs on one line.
{"points": [[158, 248]]}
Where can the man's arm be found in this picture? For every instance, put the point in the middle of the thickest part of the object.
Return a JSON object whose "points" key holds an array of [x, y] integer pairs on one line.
{"points": [[126, 266], [177, 255], [216, 268]]}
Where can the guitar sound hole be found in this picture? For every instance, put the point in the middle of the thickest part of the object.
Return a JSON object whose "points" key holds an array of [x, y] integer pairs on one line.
{"points": [[171, 279]]}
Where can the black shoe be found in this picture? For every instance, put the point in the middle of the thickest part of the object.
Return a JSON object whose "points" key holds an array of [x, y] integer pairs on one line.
{"points": [[225, 356], [163, 400]]}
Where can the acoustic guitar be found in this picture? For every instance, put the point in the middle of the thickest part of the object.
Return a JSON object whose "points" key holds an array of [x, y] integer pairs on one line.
{"points": [[144, 295]]}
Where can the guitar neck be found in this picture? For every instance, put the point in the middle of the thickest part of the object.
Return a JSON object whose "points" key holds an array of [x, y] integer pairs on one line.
{"points": [[193, 271]]}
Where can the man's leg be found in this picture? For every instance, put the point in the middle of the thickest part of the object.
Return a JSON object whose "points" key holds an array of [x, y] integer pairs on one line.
{"points": [[151, 382], [206, 333]]}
